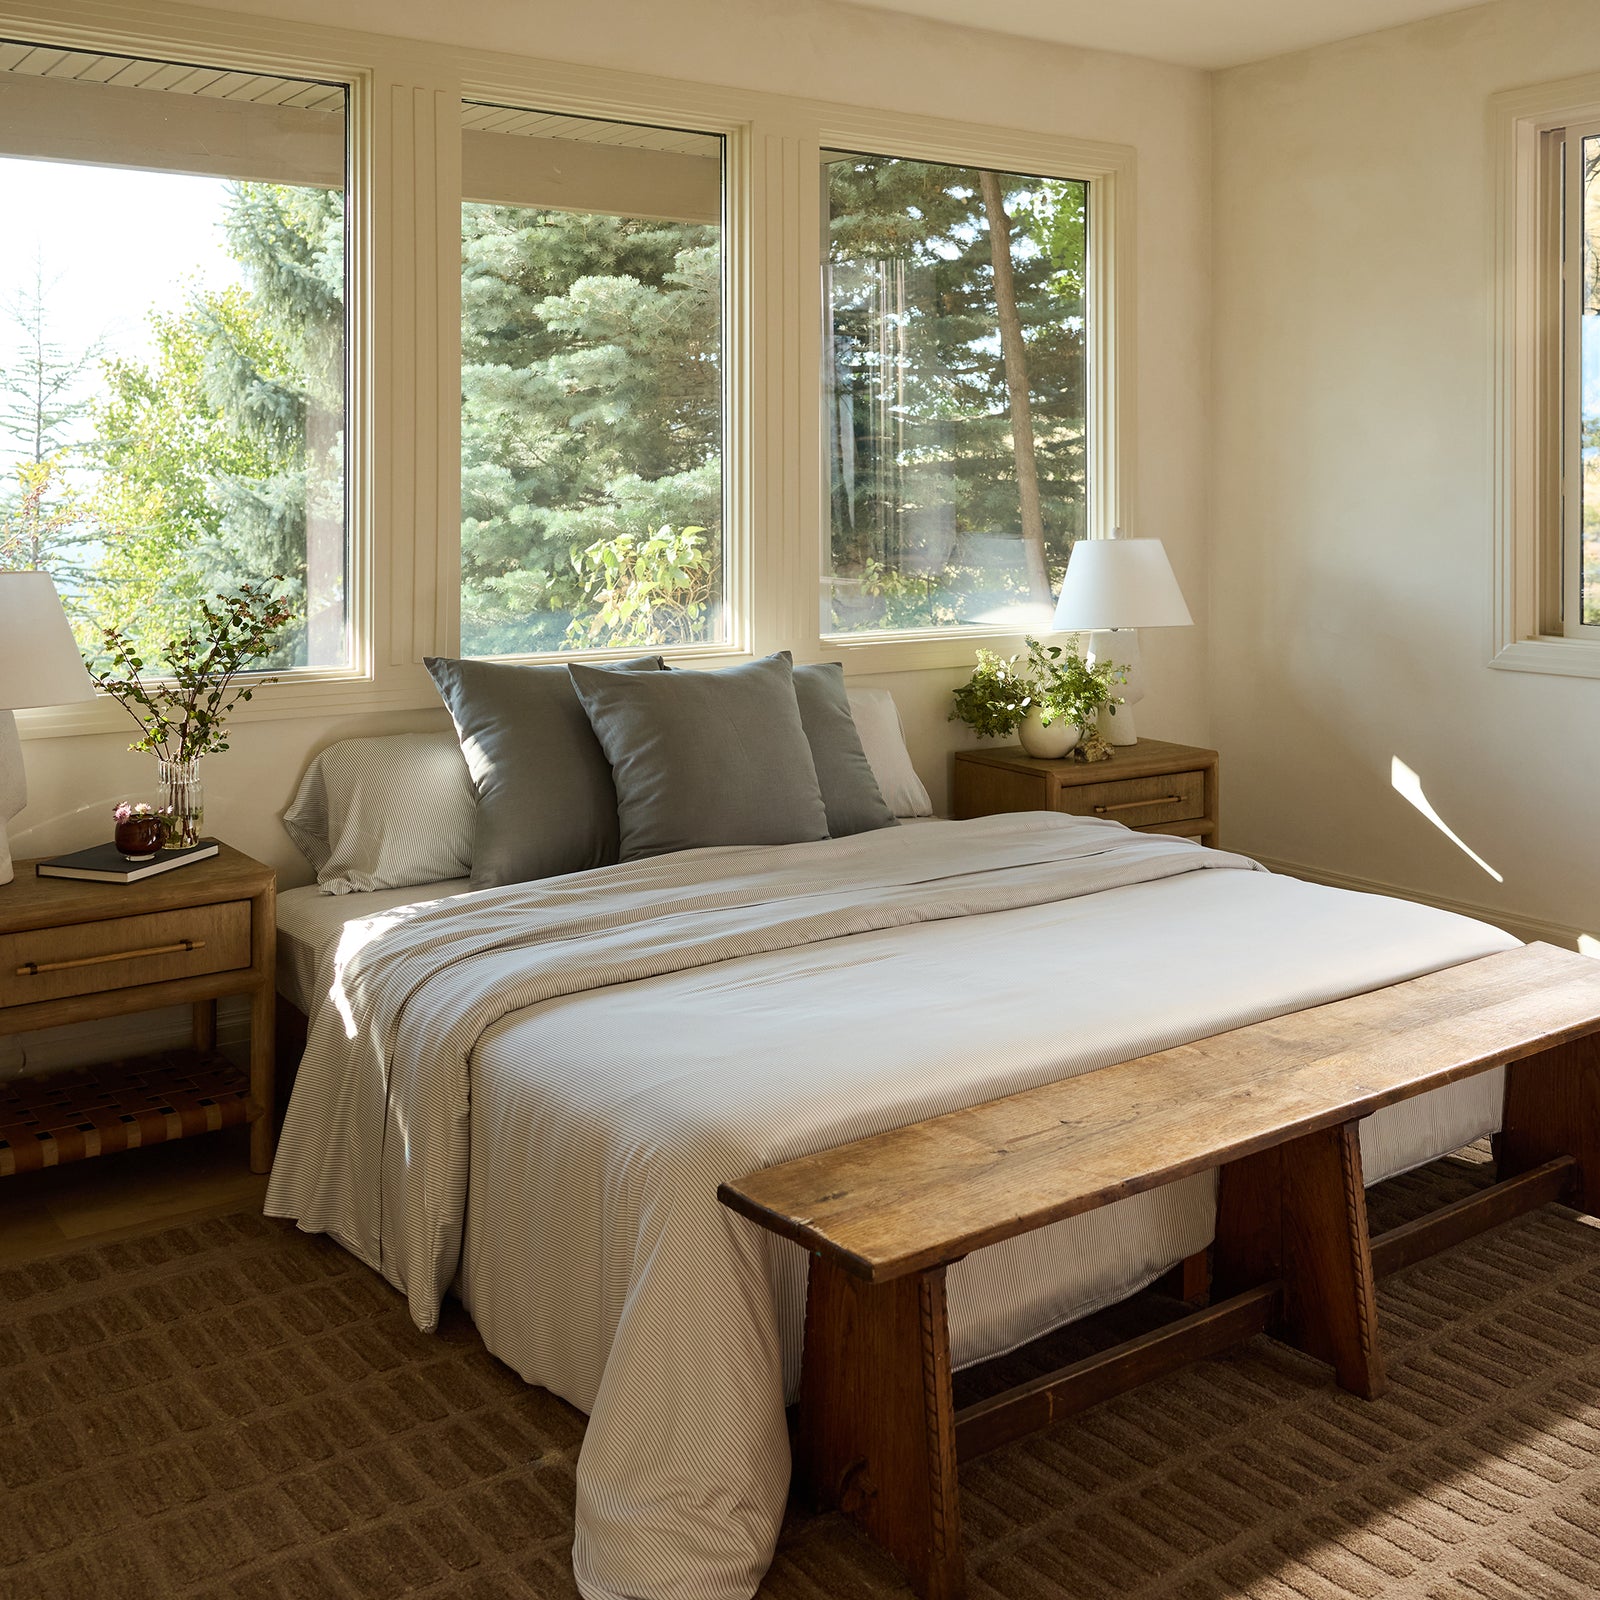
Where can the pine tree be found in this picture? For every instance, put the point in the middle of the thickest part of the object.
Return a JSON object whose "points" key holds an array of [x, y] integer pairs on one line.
{"points": [[590, 408], [282, 389], [43, 397], [925, 440]]}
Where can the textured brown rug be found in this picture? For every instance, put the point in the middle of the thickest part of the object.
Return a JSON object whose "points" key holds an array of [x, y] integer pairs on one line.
{"points": [[233, 1408]]}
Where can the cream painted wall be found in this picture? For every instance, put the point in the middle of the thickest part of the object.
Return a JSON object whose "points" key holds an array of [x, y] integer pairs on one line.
{"points": [[1351, 571], [810, 48]]}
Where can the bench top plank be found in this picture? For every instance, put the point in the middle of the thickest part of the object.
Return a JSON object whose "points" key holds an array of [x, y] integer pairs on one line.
{"points": [[934, 1191]]}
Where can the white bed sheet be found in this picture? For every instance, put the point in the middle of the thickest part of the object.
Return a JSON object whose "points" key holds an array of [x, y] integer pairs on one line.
{"points": [[311, 923]]}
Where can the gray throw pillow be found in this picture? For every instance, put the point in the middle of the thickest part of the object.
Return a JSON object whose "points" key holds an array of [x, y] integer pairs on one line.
{"points": [[705, 758], [545, 801], [849, 790]]}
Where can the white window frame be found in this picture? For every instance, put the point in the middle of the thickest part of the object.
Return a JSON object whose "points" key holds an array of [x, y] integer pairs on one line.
{"points": [[535, 89], [1536, 384], [1109, 172], [1569, 579], [110, 28], [404, 270]]}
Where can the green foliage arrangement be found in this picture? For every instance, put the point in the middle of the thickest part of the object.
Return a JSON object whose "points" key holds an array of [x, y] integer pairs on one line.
{"points": [[181, 716], [1057, 680]]}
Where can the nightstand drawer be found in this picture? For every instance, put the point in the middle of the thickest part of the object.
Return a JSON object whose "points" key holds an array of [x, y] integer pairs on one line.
{"points": [[91, 957], [1139, 802]]}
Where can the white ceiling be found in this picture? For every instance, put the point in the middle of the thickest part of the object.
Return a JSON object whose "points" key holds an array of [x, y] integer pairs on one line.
{"points": [[1193, 33]]}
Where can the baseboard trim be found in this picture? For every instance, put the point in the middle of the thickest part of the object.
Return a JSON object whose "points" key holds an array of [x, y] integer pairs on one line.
{"points": [[1529, 928]]}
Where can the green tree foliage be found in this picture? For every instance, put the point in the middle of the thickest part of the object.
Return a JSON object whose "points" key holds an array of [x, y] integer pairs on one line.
{"points": [[591, 428], [168, 449], [220, 450], [43, 402], [650, 591], [925, 500], [591, 418]]}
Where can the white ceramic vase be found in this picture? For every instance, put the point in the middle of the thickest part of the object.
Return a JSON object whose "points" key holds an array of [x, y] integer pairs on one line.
{"points": [[1047, 744]]}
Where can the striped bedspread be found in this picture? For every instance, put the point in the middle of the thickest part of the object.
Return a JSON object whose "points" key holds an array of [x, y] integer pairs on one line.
{"points": [[532, 1093]]}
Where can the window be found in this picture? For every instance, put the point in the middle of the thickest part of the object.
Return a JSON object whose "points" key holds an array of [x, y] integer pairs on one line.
{"points": [[172, 359], [1546, 296], [1577, 150], [591, 390], [956, 393]]}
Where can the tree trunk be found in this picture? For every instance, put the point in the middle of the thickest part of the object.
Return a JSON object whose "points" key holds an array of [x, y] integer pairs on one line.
{"points": [[1015, 354]]}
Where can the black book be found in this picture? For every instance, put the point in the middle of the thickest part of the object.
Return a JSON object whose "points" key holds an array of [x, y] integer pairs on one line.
{"points": [[104, 863]]}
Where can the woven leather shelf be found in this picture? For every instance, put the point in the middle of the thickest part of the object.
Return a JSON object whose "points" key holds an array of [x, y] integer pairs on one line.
{"points": [[50, 1119]]}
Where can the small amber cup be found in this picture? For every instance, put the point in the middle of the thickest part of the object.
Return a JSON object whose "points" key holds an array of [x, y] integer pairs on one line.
{"points": [[139, 838]]}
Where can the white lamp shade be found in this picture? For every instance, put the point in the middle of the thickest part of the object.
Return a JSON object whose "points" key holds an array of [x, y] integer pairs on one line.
{"points": [[1119, 583], [39, 660]]}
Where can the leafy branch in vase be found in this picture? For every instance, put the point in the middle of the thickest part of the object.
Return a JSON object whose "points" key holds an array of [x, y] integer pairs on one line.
{"points": [[182, 713]]}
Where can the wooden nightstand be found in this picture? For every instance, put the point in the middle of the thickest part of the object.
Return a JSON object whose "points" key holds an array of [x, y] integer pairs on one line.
{"points": [[72, 951], [1152, 786]]}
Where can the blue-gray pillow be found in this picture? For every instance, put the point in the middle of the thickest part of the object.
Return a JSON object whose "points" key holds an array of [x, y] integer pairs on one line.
{"points": [[850, 792], [705, 758], [545, 801]]}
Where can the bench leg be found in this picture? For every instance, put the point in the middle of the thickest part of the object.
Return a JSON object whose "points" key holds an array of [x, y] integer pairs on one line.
{"points": [[1299, 1213], [1195, 1279], [1552, 1108], [877, 1421], [1189, 1281]]}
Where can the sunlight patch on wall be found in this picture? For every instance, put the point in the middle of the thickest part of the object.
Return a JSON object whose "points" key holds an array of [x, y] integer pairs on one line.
{"points": [[1408, 786]]}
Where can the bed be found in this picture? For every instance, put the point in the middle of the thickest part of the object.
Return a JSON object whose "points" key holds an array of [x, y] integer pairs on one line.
{"points": [[527, 1095]]}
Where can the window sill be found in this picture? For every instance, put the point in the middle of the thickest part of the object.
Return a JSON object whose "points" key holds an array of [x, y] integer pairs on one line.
{"points": [[311, 696], [683, 655], [922, 652], [1556, 657]]}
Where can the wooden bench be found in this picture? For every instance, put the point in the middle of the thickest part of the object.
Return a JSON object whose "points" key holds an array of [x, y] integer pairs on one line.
{"points": [[1275, 1107]]}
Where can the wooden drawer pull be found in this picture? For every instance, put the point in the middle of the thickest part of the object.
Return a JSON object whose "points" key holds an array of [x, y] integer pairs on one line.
{"points": [[31, 969], [1133, 805]]}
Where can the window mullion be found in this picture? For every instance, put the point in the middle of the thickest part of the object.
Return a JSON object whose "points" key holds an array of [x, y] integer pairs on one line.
{"points": [[413, 315]]}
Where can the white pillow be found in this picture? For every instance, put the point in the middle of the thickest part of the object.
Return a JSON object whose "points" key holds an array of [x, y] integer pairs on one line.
{"points": [[385, 813], [878, 722]]}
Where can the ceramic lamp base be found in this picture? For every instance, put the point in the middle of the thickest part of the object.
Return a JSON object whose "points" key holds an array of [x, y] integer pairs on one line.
{"points": [[1120, 645], [1119, 729]]}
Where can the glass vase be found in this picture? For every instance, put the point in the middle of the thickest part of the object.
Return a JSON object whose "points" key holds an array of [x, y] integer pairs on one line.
{"points": [[182, 803]]}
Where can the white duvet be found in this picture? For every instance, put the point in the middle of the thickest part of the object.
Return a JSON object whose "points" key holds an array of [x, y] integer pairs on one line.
{"points": [[533, 1092]]}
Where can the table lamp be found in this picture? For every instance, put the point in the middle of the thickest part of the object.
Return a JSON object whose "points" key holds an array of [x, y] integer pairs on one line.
{"points": [[1114, 587], [39, 666]]}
